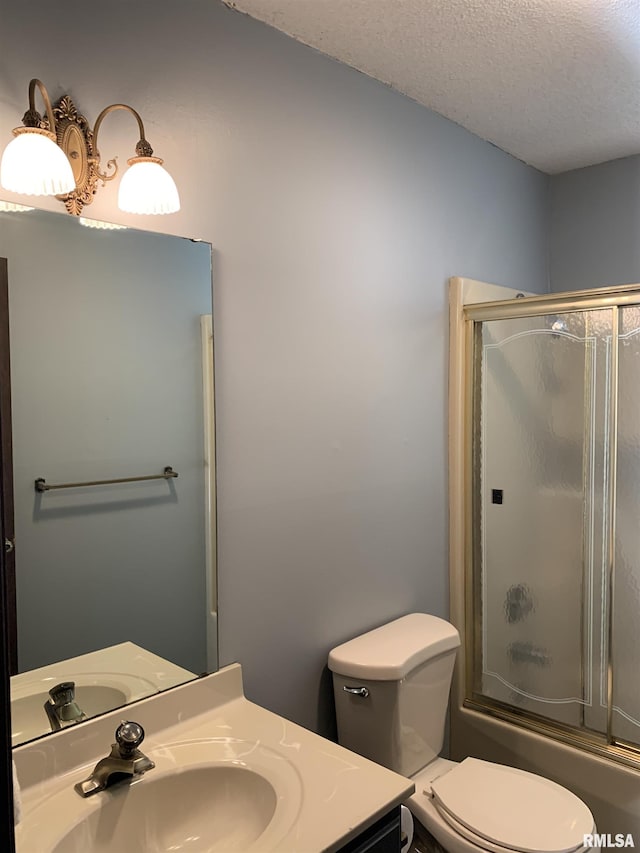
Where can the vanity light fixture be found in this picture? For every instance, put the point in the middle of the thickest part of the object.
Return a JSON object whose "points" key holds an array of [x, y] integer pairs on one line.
{"points": [[58, 155]]}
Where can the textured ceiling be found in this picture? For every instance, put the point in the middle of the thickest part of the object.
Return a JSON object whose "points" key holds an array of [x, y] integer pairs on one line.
{"points": [[556, 83]]}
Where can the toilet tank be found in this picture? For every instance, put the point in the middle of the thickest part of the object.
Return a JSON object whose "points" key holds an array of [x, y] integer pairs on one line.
{"points": [[391, 689]]}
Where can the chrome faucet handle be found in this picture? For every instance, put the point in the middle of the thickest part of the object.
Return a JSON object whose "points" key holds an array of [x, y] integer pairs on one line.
{"points": [[129, 736], [124, 762]]}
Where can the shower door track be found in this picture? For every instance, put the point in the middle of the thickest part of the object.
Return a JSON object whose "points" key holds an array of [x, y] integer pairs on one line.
{"points": [[557, 303]]}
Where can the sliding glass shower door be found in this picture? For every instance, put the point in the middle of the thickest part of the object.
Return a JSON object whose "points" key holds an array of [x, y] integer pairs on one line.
{"points": [[555, 576]]}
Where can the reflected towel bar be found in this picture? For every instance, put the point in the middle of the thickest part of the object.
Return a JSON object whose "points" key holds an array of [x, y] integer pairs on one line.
{"points": [[167, 474]]}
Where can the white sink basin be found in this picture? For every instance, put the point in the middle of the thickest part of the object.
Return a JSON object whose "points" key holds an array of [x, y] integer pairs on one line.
{"points": [[224, 808], [203, 796]]}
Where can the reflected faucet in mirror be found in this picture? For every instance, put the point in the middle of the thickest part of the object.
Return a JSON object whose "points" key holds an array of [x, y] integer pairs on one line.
{"points": [[61, 706]]}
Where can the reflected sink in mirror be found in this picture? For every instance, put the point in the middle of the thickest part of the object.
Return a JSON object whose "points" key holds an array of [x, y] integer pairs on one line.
{"points": [[104, 680], [28, 716], [221, 794]]}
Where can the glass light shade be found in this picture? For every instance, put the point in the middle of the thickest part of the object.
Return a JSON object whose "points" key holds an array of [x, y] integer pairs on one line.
{"points": [[146, 187], [33, 164]]}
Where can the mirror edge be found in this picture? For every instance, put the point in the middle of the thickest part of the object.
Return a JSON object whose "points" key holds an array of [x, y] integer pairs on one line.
{"points": [[6, 779]]}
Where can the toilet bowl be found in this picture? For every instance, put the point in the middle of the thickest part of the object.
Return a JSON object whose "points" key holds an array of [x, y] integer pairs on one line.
{"points": [[391, 688]]}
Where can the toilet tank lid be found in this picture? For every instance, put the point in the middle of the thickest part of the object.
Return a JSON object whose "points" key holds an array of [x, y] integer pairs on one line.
{"points": [[390, 652]]}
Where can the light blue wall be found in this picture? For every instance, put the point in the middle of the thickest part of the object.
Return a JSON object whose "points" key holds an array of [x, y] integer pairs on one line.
{"points": [[594, 226], [337, 209]]}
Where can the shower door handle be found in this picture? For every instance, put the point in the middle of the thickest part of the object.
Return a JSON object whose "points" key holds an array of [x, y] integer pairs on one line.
{"points": [[356, 691]]}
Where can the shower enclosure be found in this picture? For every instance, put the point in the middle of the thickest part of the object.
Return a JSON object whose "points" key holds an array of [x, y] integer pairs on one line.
{"points": [[553, 515]]}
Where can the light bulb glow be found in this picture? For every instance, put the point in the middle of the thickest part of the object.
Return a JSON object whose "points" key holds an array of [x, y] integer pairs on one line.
{"points": [[146, 187], [100, 224], [11, 207], [33, 164]]}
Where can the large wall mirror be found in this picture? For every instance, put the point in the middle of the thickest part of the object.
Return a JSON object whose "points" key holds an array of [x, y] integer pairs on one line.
{"points": [[111, 368]]}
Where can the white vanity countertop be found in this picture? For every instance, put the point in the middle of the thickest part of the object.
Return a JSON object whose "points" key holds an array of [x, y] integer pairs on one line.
{"points": [[337, 793]]}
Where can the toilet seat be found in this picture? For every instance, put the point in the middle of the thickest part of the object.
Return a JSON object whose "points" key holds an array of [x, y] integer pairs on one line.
{"points": [[483, 843], [501, 808]]}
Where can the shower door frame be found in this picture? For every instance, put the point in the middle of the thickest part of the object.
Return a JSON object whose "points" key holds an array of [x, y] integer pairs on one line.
{"points": [[465, 500]]}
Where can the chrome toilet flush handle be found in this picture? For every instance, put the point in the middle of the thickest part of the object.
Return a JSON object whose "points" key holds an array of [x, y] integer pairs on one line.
{"points": [[356, 691]]}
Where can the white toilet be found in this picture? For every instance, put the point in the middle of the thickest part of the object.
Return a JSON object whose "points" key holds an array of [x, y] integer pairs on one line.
{"points": [[391, 688]]}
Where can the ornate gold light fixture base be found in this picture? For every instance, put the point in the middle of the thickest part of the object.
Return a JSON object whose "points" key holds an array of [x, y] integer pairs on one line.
{"points": [[76, 138]]}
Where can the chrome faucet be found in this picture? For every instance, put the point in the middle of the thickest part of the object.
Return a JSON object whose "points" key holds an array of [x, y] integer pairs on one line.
{"points": [[61, 706], [125, 761]]}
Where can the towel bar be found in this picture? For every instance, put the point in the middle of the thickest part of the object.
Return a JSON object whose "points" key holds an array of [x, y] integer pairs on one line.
{"points": [[42, 486]]}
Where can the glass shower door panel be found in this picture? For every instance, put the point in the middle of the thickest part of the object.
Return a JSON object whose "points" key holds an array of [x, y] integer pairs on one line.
{"points": [[626, 587], [541, 423]]}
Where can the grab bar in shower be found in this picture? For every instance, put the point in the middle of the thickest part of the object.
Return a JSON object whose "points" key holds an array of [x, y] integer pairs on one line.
{"points": [[42, 486]]}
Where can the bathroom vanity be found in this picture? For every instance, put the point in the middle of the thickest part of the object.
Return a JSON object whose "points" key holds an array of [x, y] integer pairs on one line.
{"points": [[383, 836], [228, 775]]}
